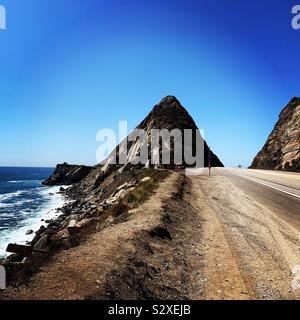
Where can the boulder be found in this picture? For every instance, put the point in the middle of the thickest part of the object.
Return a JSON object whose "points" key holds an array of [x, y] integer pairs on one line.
{"points": [[19, 249], [72, 223], [61, 239], [76, 228], [108, 202], [83, 223], [15, 258], [61, 235], [123, 186], [122, 194], [73, 217], [41, 230], [42, 244]]}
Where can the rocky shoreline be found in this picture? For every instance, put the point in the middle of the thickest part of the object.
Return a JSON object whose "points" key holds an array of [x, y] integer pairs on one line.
{"points": [[131, 255], [83, 215]]}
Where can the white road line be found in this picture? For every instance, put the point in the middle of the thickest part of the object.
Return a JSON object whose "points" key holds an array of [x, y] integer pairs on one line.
{"points": [[266, 185]]}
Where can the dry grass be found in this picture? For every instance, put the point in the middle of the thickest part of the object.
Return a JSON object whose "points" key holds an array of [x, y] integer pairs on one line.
{"points": [[142, 192], [145, 189]]}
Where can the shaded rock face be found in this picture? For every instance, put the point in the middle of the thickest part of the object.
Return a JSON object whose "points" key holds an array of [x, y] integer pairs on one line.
{"points": [[66, 174], [169, 115], [282, 149]]}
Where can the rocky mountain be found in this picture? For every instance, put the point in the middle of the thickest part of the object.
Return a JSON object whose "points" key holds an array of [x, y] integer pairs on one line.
{"points": [[282, 149], [169, 115]]}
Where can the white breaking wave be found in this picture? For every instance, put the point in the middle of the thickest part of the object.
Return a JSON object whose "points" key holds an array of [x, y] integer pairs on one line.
{"points": [[8, 196], [52, 201], [15, 203]]}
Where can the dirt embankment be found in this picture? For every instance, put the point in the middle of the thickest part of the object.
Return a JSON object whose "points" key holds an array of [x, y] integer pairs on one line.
{"points": [[151, 252]]}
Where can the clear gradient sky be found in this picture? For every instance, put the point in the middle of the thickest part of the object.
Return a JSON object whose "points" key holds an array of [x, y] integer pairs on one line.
{"points": [[69, 68]]}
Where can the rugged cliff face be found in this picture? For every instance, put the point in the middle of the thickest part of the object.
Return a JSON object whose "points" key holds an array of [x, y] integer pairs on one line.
{"points": [[282, 149], [169, 115], [66, 174]]}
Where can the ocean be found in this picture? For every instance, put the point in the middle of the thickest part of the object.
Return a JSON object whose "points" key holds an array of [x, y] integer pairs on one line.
{"points": [[24, 203]]}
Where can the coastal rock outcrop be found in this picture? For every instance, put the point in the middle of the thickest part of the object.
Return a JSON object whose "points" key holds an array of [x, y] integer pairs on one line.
{"points": [[168, 115], [282, 148], [66, 174]]}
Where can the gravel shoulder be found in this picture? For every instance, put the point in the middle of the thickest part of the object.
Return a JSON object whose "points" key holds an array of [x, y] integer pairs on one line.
{"points": [[250, 252]]}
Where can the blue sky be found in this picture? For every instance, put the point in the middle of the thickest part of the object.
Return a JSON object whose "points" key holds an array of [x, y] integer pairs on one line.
{"points": [[69, 68]]}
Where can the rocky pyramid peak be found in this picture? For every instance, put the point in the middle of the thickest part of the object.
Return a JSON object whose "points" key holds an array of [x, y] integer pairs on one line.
{"points": [[168, 102], [169, 99], [167, 115]]}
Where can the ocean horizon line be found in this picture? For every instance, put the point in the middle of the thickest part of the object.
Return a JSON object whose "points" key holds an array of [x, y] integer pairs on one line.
{"points": [[29, 167]]}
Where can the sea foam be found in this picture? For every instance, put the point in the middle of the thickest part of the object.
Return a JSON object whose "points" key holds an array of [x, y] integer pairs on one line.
{"points": [[32, 219]]}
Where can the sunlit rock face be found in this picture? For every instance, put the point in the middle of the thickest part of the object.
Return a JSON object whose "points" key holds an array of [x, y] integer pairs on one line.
{"points": [[282, 149]]}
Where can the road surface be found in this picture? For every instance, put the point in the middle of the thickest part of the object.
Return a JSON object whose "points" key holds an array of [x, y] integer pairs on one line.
{"points": [[277, 191], [251, 232]]}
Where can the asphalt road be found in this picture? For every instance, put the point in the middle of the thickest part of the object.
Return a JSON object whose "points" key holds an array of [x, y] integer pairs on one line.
{"points": [[277, 191]]}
